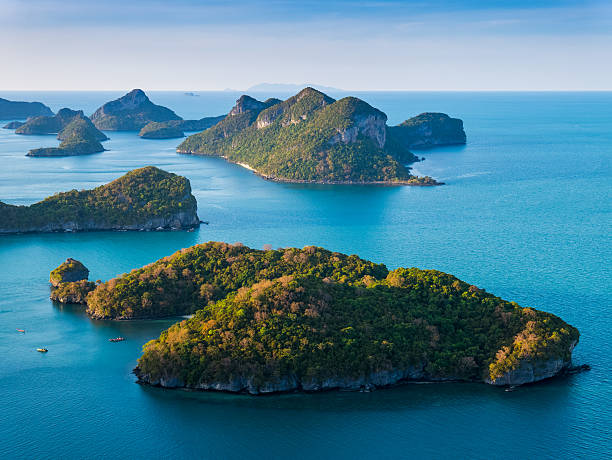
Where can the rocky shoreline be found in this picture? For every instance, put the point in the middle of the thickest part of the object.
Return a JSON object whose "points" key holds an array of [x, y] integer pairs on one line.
{"points": [[527, 373], [181, 221]]}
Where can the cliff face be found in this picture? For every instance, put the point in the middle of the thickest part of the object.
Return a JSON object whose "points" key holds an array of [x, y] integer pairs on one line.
{"points": [[371, 126], [177, 221], [292, 382], [131, 112], [530, 371], [527, 372], [21, 110]]}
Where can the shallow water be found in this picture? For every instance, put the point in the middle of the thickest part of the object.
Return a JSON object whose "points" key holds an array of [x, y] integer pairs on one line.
{"points": [[526, 214]]}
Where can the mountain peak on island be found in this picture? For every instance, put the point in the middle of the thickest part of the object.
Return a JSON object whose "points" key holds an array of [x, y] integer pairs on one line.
{"points": [[131, 112], [246, 103]]}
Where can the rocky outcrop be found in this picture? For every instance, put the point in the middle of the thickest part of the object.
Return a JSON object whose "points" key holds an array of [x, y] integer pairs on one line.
{"points": [[429, 130], [527, 372], [131, 112], [72, 292], [14, 124], [530, 371], [69, 271], [10, 110], [293, 383]]}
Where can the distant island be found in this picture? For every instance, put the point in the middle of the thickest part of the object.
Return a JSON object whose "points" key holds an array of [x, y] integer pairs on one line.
{"points": [[14, 124], [79, 137], [289, 88], [176, 128], [143, 199], [312, 138], [131, 112], [310, 319], [15, 110], [55, 124]]}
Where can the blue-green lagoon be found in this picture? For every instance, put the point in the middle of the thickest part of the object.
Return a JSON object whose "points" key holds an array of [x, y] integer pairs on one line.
{"points": [[526, 213]]}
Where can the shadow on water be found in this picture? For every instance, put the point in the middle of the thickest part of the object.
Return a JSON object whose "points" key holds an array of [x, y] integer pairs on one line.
{"points": [[410, 396]]}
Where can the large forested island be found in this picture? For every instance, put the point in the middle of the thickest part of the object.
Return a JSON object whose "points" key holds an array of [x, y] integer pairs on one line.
{"points": [[311, 137], [143, 199], [310, 319]]}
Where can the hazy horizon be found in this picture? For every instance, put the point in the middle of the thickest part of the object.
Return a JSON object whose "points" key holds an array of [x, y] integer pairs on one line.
{"points": [[540, 45]]}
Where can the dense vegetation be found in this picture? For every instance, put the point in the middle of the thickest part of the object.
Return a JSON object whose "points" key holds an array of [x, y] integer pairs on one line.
{"points": [[313, 314], [139, 199], [187, 280], [81, 126], [72, 292], [79, 137], [429, 129], [21, 110], [310, 137], [130, 113]]}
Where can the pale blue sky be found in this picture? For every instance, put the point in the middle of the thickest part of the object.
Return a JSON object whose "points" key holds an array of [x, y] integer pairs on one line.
{"points": [[386, 45]]}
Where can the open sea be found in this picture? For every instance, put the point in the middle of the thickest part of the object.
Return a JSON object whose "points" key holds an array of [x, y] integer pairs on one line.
{"points": [[526, 213]]}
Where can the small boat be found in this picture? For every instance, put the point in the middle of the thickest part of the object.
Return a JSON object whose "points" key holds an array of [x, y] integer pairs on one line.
{"points": [[117, 339], [20, 330], [511, 388], [42, 350]]}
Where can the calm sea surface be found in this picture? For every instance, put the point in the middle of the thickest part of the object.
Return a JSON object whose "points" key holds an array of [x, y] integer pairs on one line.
{"points": [[526, 214]]}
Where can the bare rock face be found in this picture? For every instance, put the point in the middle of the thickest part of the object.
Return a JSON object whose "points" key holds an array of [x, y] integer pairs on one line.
{"points": [[532, 371], [371, 126], [131, 112]]}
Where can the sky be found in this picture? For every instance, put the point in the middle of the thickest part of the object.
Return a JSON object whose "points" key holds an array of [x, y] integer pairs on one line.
{"points": [[354, 45]]}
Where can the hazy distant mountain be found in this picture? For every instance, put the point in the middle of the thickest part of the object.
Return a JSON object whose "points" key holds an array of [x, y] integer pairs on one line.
{"points": [[289, 87]]}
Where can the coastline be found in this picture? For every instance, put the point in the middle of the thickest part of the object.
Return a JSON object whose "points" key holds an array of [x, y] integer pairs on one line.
{"points": [[316, 182]]}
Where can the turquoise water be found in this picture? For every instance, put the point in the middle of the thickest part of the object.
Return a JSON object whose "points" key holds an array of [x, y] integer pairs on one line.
{"points": [[526, 214]]}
